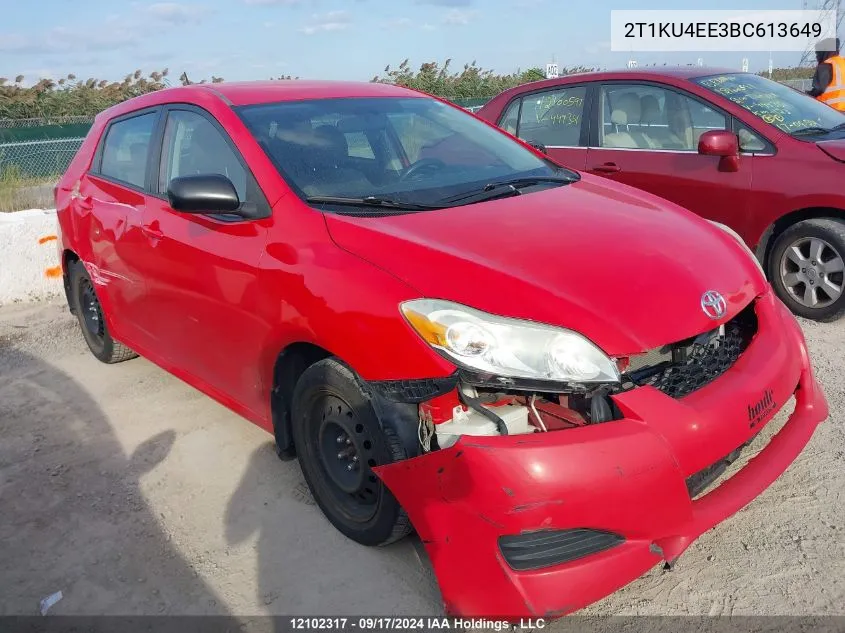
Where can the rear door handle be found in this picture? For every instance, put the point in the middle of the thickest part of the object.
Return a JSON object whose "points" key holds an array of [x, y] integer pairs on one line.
{"points": [[152, 232], [607, 168], [83, 202]]}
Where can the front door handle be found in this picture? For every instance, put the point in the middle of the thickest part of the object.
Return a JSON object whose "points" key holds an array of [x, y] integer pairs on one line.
{"points": [[606, 168]]}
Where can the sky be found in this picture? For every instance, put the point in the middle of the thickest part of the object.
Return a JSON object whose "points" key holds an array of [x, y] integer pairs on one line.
{"points": [[326, 39]]}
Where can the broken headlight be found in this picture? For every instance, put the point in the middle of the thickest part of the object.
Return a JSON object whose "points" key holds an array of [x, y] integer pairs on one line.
{"points": [[508, 347]]}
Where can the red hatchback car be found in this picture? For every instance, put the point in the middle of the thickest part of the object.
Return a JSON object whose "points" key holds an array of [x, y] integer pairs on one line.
{"points": [[543, 373], [732, 147]]}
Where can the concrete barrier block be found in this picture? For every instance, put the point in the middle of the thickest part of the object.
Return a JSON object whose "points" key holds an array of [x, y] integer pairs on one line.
{"points": [[29, 266]]}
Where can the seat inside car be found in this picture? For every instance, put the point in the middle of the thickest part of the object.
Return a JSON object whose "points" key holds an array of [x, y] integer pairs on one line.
{"points": [[332, 145], [680, 122], [626, 119], [656, 125], [324, 164]]}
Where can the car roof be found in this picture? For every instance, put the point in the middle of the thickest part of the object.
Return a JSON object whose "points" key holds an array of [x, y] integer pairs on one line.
{"points": [[253, 92], [680, 72], [653, 73], [257, 92]]}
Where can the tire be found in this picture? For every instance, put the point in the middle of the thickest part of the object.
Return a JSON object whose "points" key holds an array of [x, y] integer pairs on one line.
{"points": [[333, 422], [806, 265], [91, 319]]}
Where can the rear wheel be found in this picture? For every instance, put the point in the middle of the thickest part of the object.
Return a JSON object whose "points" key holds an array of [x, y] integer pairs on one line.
{"points": [[92, 322], [338, 441], [807, 266]]}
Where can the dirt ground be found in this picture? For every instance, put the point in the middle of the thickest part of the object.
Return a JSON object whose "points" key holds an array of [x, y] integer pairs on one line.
{"points": [[134, 494]]}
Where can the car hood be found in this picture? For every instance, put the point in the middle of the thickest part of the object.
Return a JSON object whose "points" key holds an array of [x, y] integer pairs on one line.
{"points": [[623, 267], [835, 149]]}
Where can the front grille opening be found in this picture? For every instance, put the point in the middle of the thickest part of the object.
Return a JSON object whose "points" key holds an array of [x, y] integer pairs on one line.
{"points": [[684, 367], [544, 548]]}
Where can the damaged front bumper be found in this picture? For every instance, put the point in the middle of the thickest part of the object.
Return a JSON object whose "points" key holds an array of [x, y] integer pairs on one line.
{"points": [[544, 524]]}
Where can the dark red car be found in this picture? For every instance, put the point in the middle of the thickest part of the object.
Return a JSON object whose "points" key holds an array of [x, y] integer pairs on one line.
{"points": [[733, 147], [543, 373]]}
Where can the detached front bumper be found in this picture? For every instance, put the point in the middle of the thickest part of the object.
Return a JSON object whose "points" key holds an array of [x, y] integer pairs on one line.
{"points": [[623, 481]]}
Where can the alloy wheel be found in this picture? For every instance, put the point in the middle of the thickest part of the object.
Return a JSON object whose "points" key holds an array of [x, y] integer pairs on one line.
{"points": [[812, 272]]}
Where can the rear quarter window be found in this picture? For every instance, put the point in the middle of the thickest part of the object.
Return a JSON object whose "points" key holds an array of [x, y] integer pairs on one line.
{"points": [[126, 149]]}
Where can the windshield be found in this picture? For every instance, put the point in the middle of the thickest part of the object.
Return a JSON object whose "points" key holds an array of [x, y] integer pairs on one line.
{"points": [[775, 103], [403, 150]]}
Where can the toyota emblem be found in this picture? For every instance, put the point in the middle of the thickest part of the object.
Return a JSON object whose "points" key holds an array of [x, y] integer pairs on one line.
{"points": [[713, 304]]}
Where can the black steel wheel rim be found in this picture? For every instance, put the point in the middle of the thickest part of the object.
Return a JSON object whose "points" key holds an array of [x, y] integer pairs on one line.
{"points": [[346, 455], [92, 312]]}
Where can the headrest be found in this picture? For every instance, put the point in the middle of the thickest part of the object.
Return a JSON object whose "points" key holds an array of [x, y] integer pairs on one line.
{"points": [[331, 139], [650, 109], [618, 117], [630, 104]]}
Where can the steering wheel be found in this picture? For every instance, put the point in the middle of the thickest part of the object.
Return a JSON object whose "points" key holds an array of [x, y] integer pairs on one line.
{"points": [[422, 165]]}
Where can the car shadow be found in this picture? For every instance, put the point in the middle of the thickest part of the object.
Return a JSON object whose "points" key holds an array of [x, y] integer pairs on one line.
{"points": [[73, 517], [307, 567]]}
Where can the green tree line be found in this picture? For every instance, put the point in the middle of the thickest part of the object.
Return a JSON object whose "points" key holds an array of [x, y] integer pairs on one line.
{"points": [[471, 82], [71, 96], [785, 74]]}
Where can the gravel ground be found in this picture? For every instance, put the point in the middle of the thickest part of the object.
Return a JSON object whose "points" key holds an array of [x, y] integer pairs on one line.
{"points": [[132, 493]]}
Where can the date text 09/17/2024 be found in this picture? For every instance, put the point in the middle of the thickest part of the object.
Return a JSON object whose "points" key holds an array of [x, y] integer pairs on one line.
{"points": [[411, 624]]}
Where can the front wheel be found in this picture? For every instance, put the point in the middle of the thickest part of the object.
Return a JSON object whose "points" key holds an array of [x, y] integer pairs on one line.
{"points": [[339, 439], [807, 266]]}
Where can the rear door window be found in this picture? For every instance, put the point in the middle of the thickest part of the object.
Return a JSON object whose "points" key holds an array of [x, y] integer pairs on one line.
{"points": [[126, 149], [553, 117]]}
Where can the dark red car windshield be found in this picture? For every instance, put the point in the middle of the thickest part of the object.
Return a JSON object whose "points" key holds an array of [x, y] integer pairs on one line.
{"points": [[416, 150], [788, 109]]}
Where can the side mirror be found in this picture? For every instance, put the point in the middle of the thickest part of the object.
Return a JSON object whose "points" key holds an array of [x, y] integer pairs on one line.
{"points": [[722, 143], [538, 146], [204, 193]]}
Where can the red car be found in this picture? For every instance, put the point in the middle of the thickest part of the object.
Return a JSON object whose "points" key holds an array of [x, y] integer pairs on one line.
{"points": [[543, 373], [732, 147]]}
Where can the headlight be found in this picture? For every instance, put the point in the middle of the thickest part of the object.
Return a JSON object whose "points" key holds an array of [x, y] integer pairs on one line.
{"points": [[508, 347], [736, 236]]}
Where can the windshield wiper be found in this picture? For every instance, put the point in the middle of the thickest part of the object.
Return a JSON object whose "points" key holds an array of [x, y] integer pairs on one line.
{"points": [[811, 130], [492, 190], [529, 180], [371, 201]]}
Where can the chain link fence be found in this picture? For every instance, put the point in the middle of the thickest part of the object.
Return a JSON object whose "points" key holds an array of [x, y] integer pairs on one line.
{"points": [[37, 160], [29, 169], [42, 121]]}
